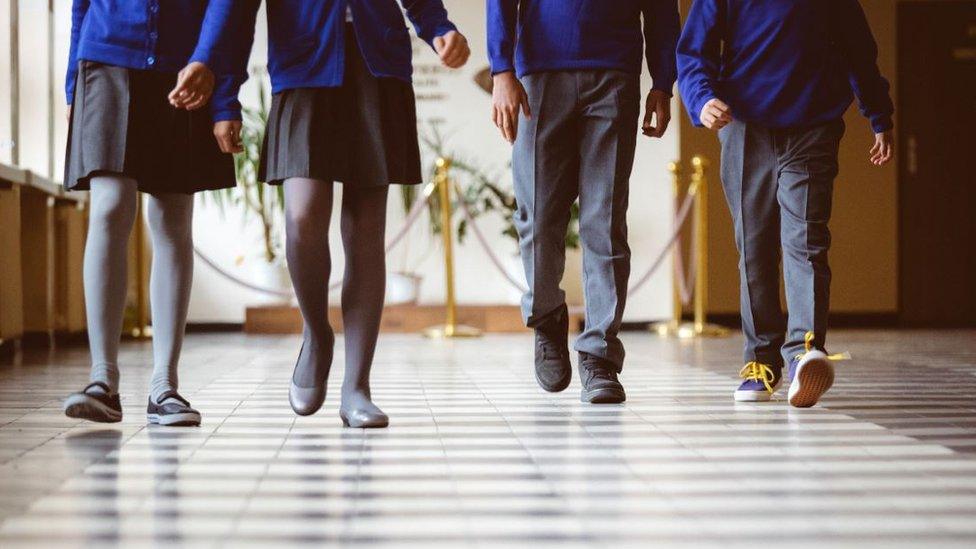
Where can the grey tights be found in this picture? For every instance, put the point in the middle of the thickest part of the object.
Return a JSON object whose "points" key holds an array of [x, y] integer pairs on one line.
{"points": [[308, 209], [112, 215]]}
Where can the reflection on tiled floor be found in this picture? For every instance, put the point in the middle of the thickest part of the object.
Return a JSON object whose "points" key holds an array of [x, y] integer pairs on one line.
{"points": [[477, 455]]}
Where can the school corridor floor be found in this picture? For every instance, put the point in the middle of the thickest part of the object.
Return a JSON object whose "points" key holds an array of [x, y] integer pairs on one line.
{"points": [[478, 456]]}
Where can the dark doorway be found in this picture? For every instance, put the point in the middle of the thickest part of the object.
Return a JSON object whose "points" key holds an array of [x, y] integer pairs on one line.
{"points": [[937, 162]]}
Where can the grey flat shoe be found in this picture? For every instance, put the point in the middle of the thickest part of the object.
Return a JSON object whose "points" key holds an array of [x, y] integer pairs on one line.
{"points": [[364, 419], [305, 401]]}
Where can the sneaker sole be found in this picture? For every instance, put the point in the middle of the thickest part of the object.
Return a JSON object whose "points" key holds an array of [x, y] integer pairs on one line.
{"points": [[175, 420], [755, 396], [813, 378], [752, 396], [81, 407], [603, 396]]}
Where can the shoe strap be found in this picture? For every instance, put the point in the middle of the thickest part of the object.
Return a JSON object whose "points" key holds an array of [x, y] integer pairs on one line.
{"points": [[98, 384], [172, 395]]}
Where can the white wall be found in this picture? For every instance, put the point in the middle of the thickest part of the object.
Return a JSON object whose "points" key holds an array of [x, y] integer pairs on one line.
{"points": [[462, 112]]}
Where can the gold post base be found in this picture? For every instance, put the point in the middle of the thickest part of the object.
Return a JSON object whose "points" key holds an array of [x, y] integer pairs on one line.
{"points": [[447, 331], [688, 330]]}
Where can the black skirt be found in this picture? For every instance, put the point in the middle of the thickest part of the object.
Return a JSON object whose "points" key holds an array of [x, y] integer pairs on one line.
{"points": [[122, 124], [363, 133]]}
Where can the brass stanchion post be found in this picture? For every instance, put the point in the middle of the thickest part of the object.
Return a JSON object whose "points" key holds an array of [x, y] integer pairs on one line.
{"points": [[673, 326], [700, 181], [450, 328], [699, 328]]}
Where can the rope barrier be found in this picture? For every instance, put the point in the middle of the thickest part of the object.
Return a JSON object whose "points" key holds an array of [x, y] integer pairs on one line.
{"points": [[484, 243], [415, 210], [681, 217]]}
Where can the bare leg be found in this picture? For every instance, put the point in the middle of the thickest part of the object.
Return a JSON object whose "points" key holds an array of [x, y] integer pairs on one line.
{"points": [[364, 286], [308, 209]]}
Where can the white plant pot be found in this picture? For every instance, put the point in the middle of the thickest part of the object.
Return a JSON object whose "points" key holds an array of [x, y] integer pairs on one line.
{"points": [[402, 288], [272, 276]]}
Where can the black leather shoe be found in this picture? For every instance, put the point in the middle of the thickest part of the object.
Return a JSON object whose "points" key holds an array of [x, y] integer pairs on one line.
{"points": [[101, 406], [553, 369], [599, 379], [173, 410]]}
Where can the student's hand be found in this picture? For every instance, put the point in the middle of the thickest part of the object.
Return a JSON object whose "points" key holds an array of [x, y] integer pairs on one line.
{"points": [[658, 109], [453, 49], [883, 148], [68, 116], [194, 86], [228, 134], [715, 115], [508, 98]]}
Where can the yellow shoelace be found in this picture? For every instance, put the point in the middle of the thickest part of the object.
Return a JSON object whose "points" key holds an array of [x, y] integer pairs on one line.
{"points": [[757, 371], [808, 345]]}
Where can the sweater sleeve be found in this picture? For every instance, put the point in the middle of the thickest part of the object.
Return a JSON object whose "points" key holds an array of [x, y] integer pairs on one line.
{"points": [[861, 51], [225, 47], [429, 18], [217, 34], [502, 34], [700, 56], [662, 26], [225, 104], [79, 9]]}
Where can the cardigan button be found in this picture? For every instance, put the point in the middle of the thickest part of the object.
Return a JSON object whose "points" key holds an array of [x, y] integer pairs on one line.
{"points": [[151, 60]]}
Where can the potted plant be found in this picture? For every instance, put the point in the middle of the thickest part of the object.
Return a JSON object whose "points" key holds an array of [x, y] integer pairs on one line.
{"points": [[255, 200]]}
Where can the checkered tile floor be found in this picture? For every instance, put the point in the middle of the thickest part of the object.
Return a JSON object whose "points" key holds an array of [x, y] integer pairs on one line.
{"points": [[477, 455]]}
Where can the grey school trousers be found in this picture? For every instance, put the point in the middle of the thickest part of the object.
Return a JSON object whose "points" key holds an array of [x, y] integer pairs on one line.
{"points": [[579, 143], [779, 187]]}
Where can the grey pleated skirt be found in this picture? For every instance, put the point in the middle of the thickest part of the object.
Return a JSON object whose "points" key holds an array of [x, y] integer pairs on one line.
{"points": [[363, 133], [122, 124]]}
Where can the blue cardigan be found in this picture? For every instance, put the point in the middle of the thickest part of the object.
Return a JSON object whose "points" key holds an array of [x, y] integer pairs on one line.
{"points": [[306, 38], [785, 63], [530, 36], [161, 35]]}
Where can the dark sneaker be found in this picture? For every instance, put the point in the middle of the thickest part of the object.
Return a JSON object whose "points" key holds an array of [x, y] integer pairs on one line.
{"points": [[173, 410], [599, 379], [101, 406], [759, 382], [553, 370]]}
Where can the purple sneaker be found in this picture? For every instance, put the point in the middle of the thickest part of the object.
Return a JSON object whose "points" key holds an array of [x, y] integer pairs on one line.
{"points": [[811, 374], [760, 382]]}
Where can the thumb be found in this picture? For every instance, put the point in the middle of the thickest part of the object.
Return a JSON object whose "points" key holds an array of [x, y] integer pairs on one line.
{"points": [[525, 105], [439, 43], [180, 86]]}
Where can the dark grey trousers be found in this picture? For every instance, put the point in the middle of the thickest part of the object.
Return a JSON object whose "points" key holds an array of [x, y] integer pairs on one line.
{"points": [[579, 143], [779, 186]]}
